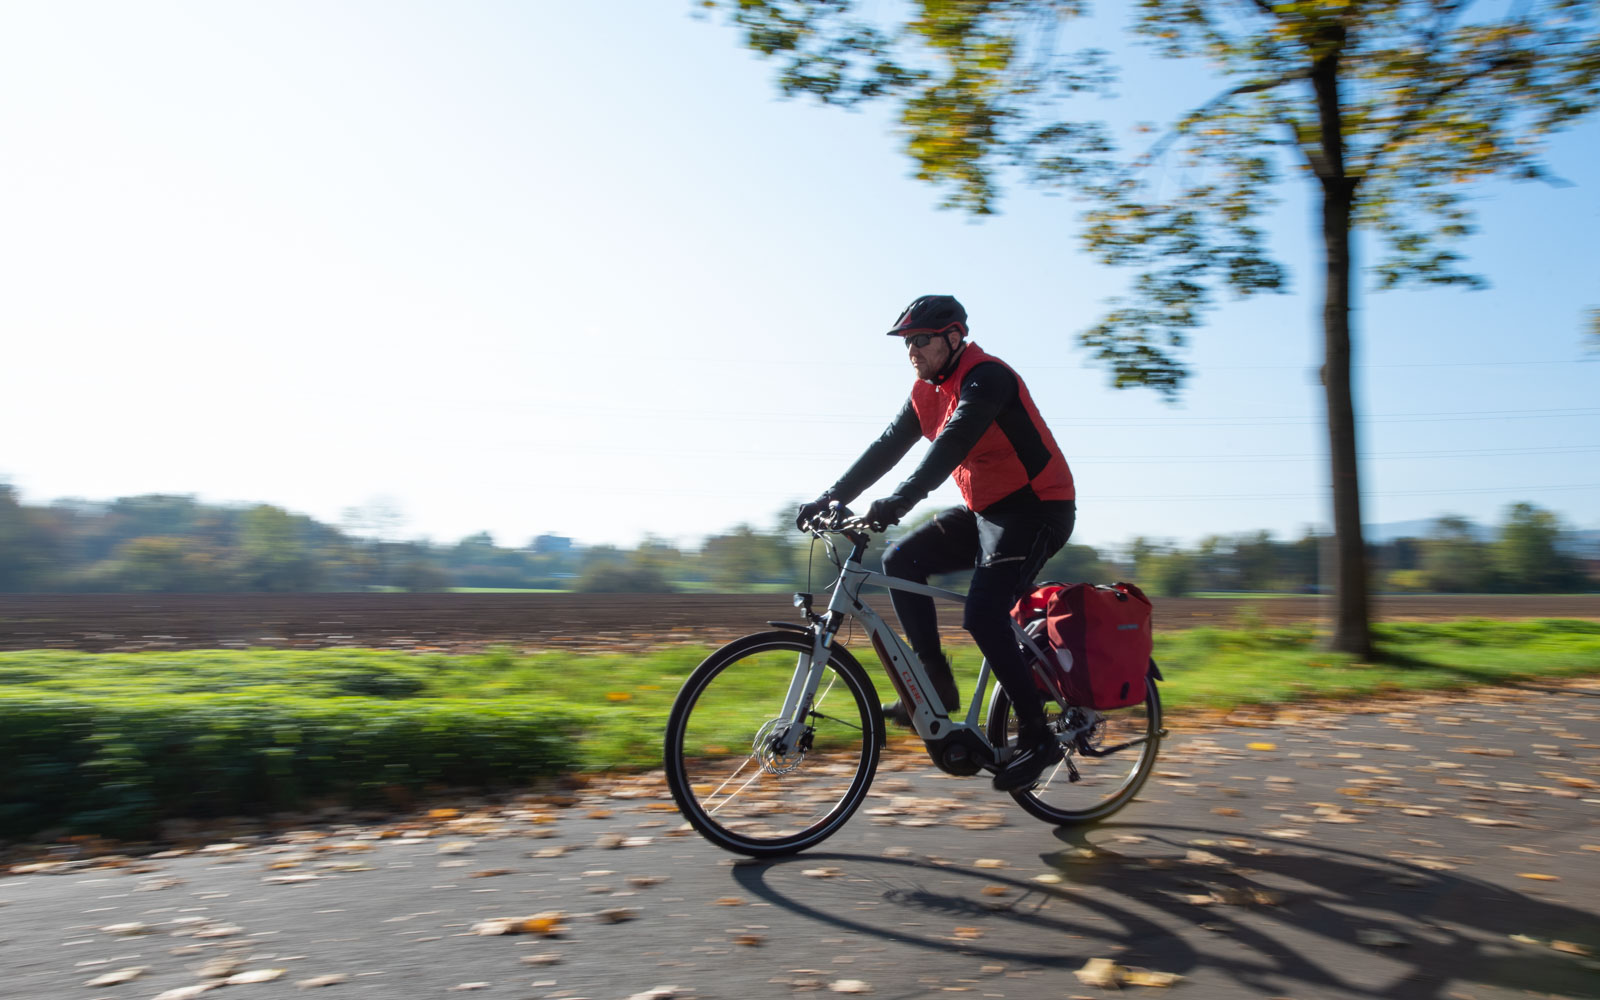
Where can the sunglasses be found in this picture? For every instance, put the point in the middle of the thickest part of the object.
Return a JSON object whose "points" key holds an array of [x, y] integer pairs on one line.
{"points": [[921, 340]]}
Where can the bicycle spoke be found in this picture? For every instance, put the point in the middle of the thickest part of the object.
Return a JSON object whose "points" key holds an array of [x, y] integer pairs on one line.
{"points": [[729, 798], [833, 718]]}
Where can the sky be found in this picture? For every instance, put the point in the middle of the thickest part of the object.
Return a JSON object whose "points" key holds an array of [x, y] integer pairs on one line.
{"points": [[528, 267]]}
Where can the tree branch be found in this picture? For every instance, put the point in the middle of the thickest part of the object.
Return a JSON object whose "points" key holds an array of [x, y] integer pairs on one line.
{"points": [[1166, 140], [1408, 122]]}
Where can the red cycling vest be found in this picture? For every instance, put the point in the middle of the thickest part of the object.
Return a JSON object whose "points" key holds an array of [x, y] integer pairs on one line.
{"points": [[993, 469]]}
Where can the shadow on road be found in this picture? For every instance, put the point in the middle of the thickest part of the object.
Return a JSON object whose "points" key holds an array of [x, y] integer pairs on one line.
{"points": [[1261, 914]]}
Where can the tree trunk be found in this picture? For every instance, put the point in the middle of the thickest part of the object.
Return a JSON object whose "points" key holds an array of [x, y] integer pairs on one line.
{"points": [[1352, 631]]}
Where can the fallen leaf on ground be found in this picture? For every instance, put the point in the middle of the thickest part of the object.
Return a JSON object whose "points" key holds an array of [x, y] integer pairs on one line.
{"points": [[254, 976], [331, 979], [989, 863], [1261, 746], [822, 872], [127, 975], [548, 923], [749, 940], [185, 992], [1048, 878], [1144, 977], [1538, 877], [1101, 972], [1380, 938], [617, 914], [969, 933], [1570, 948], [218, 968], [850, 986], [728, 901]]}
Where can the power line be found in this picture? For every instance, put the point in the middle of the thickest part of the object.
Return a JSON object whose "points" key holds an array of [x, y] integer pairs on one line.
{"points": [[802, 421], [1384, 495]]}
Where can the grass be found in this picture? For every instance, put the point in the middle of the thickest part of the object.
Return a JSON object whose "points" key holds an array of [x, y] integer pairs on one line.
{"points": [[1221, 668], [111, 742]]}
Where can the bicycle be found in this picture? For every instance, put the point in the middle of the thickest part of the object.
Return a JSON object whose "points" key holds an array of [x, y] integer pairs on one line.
{"points": [[773, 740]]}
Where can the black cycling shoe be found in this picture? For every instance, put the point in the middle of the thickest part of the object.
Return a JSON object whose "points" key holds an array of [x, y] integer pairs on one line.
{"points": [[1028, 763]]}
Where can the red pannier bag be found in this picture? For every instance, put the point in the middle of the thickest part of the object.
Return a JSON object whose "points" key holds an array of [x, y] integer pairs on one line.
{"points": [[1098, 637]]}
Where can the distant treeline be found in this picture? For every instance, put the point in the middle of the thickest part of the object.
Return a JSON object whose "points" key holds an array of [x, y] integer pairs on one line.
{"points": [[175, 544]]}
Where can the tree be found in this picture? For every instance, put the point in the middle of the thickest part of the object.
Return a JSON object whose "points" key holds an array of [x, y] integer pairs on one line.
{"points": [[1527, 555], [1383, 107], [24, 552], [276, 553], [1454, 560], [745, 556], [1173, 575], [1076, 563]]}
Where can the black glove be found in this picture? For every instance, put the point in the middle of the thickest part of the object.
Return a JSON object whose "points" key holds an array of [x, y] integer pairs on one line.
{"points": [[888, 510], [811, 510]]}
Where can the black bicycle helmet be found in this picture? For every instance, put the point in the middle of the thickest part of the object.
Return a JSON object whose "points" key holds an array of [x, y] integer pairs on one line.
{"points": [[931, 314]]}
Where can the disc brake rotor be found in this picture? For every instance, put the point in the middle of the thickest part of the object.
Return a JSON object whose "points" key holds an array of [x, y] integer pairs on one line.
{"points": [[767, 748]]}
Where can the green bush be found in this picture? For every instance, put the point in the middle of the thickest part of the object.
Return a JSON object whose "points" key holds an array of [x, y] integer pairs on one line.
{"points": [[115, 765]]}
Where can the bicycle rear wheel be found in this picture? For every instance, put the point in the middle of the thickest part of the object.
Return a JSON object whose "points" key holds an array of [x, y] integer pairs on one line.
{"points": [[1104, 784], [726, 777]]}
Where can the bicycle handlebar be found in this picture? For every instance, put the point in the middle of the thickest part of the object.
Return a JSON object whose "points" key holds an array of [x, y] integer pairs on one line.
{"points": [[838, 519]]}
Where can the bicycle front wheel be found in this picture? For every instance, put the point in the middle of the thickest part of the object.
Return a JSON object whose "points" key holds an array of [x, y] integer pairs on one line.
{"points": [[728, 778], [1102, 784]]}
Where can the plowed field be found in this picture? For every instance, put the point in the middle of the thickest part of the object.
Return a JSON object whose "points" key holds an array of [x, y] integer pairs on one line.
{"points": [[461, 622]]}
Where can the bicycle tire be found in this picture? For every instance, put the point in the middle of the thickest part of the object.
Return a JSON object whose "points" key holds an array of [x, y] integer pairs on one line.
{"points": [[739, 796], [1106, 783]]}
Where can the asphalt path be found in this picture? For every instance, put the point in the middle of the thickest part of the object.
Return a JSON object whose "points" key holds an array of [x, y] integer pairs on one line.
{"points": [[1439, 847]]}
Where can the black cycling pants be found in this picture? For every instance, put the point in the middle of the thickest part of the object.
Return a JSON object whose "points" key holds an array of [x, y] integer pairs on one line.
{"points": [[1005, 546]]}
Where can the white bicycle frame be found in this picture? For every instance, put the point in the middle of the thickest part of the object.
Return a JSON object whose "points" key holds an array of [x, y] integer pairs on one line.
{"points": [[928, 715]]}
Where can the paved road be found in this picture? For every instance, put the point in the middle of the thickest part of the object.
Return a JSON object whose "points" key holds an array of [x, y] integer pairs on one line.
{"points": [[1366, 855]]}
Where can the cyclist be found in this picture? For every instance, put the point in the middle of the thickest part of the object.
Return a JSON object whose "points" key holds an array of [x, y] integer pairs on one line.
{"points": [[1020, 508]]}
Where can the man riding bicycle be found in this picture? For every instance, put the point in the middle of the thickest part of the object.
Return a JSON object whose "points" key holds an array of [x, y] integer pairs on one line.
{"points": [[1019, 511]]}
